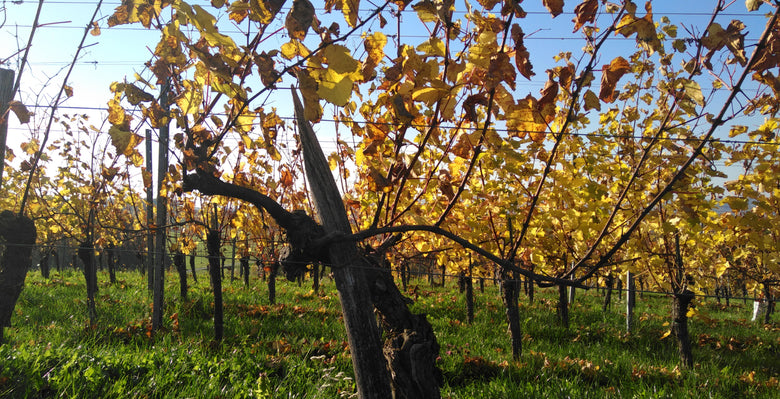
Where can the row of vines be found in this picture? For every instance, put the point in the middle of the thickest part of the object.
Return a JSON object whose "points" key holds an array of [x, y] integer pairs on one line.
{"points": [[657, 159]]}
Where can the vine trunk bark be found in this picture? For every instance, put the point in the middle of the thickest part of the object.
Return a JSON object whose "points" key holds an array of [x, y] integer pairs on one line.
{"points": [[213, 243], [510, 294], [19, 234], [681, 302]]}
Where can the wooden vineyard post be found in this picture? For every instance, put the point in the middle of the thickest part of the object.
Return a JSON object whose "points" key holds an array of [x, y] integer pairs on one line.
{"points": [[371, 374], [630, 298], [149, 260], [162, 213], [6, 96]]}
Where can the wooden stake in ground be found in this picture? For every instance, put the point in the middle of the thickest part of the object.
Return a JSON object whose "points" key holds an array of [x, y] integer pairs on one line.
{"points": [[6, 96]]}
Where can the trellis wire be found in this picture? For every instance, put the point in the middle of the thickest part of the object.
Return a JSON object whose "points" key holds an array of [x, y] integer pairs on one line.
{"points": [[417, 273]]}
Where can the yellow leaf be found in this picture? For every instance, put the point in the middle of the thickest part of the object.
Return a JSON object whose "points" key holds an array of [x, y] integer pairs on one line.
{"points": [[239, 10], [666, 334], [433, 47], [374, 45], [428, 95], [591, 101], [264, 11], [693, 91], [339, 59], [350, 10], [525, 119], [124, 141], [190, 100], [333, 161], [116, 114], [484, 50], [294, 48], [426, 11], [335, 88], [721, 268], [206, 24], [245, 122]]}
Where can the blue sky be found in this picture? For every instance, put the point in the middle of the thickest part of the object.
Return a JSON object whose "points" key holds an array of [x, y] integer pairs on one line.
{"points": [[119, 52]]}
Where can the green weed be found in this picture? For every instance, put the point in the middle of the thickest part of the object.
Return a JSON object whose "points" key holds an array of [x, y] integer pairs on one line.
{"points": [[297, 347]]}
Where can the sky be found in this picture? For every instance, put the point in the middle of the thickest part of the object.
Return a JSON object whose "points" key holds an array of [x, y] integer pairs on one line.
{"points": [[120, 52]]}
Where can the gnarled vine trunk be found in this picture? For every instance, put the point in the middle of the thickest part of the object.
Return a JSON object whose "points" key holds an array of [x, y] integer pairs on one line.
{"points": [[563, 306], [87, 256], [509, 290], [179, 262], [18, 234], [213, 244], [405, 367], [680, 305]]}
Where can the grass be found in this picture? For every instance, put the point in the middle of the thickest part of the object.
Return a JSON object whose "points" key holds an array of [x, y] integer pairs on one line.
{"points": [[297, 348]]}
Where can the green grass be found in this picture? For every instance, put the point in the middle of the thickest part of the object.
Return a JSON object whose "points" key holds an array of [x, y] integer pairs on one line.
{"points": [[297, 348]]}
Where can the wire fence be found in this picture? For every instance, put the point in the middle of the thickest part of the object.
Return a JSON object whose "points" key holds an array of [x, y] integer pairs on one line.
{"points": [[61, 256]]}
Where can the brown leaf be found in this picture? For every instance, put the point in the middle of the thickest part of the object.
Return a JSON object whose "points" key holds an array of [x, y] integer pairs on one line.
{"points": [[731, 38], [611, 75], [133, 93], [399, 106], [555, 7], [644, 28], [109, 173], [95, 29], [286, 178], [470, 106], [769, 55], [20, 110], [299, 19], [445, 186], [522, 57], [378, 182], [565, 76], [265, 67], [585, 12], [462, 147], [311, 100], [375, 49], [500, 70], [549, 92], [525, 119]]}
